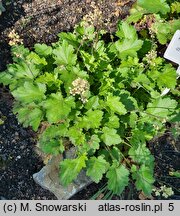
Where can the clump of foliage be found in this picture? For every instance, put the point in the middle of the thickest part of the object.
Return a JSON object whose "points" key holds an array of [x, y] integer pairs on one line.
{"points": [[105, 99]]}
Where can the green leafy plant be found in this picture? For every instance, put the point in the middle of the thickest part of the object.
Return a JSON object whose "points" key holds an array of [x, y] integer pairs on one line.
{"points": [[105, 99], [155, 19]]}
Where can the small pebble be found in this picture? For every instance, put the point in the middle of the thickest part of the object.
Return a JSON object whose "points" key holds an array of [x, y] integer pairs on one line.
{"points": [[18, 157]]}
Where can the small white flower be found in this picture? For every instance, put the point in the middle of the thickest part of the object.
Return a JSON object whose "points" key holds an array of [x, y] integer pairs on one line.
{"points": [[80, 87]]}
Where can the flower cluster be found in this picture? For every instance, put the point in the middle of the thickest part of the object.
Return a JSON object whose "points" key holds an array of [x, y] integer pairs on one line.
{"points": [[95, 18], [147, 23], [150, 57], [80, 87], [165, 191], [14, 38]]}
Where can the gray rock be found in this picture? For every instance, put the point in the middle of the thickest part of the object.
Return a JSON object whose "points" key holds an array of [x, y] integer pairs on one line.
{"points": [[48, 178]]}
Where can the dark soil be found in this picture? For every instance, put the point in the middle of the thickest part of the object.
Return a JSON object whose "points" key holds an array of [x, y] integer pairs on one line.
{"points": [[18, 161], [41, 21], [166, 150]]}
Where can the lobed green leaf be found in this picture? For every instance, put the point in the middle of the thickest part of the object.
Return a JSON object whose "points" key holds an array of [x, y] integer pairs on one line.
{"points": [[30, 92], [70, 168], [57, 108], [64, 54], [110, 136], [96, 167], [118, 178]]}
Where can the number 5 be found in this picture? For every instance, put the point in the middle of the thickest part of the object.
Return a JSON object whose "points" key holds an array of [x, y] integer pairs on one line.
{"points": [[171, 207]]}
